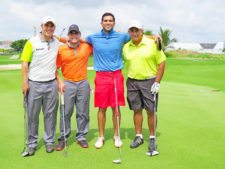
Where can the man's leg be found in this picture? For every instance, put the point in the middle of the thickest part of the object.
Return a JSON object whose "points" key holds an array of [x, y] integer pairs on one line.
{"points": [[50, 107], [69, 99], [82, 112], [101, 121], [138, 121], [34, 107], [117, 140], [114, 119], [151, 123], [101, 127]]}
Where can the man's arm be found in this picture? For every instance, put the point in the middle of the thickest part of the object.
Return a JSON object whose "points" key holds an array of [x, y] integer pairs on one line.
{"points": [[60, 82], [25, 85], [161, 69], [26, 57], [156, 85], [157, 39]]}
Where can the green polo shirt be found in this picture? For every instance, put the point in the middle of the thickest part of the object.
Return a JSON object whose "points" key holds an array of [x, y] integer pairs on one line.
{"points": [[142, 61]]}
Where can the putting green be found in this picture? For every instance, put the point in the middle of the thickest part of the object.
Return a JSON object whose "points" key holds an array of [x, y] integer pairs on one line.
{"points": [[190, 133]]}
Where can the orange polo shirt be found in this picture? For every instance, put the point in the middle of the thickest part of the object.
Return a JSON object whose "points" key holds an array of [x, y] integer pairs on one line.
{"points": [[74, 62]]}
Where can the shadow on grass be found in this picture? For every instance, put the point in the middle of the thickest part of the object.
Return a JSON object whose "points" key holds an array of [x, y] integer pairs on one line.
{"points": [[125, 133]]}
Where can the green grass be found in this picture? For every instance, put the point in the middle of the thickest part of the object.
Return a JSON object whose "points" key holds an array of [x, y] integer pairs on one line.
{"points": [[185, 54], [6, 59], [190, 130], [203, 72]]}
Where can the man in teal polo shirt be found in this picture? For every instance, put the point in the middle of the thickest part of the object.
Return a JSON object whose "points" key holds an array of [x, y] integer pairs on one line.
{"points": [[145, 67], [107, 51]]}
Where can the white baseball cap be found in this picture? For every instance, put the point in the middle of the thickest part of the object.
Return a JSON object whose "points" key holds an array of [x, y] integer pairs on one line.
{"points": [[47, 19], [135, 24]]}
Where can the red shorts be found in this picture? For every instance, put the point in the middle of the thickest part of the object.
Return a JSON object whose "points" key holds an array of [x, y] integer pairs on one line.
{"points": [[105, 89]]}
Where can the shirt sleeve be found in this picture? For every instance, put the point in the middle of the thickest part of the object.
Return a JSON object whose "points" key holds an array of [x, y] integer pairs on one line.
{"points": [[126, 37], [88, 39], [27, 52], [123, 54], [90, 49]]}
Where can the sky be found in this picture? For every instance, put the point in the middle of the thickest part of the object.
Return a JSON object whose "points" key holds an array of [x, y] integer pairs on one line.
{"points": [[189, 20]]}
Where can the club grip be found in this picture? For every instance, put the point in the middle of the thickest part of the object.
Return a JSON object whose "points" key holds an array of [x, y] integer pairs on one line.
{"points": [[159, 43], [62, 99]]}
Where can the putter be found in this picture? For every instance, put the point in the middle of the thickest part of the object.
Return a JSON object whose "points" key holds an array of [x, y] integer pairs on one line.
{"points": [[25, 153], [64, 125], [155, 152], [117, 161]]}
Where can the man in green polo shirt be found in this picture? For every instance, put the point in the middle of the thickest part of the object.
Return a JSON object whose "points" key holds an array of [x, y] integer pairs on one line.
{"points": [[145, 65]]}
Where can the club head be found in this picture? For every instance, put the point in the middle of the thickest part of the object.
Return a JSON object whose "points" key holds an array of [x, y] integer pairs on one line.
{"points": [[26, 154], [152, 153], [118, 161]]}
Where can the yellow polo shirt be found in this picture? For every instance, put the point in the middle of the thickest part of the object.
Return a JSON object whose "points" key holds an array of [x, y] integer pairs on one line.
{"points": [[142, 61]]}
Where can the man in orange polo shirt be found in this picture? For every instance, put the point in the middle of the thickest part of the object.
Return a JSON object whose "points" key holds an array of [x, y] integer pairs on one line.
{"points": [[73, 59]]}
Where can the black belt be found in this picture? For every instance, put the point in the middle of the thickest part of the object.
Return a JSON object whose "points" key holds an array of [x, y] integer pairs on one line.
{"points": [[43, 81]]}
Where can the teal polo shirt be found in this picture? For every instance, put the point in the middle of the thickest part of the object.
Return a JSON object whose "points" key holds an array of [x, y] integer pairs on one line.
{"points": [[107, 50]]}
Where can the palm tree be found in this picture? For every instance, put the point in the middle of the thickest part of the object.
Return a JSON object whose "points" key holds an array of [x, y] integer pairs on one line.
{"points": [[166, 39]]}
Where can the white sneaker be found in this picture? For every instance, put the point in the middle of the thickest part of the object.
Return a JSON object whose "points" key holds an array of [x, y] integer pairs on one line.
{"points": [[117, 142], [100, 142]]}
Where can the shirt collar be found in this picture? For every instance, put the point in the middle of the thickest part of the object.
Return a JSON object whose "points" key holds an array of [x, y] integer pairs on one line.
{"points": [[106, 35], [143, 42], [71, 46], [42, 39]]}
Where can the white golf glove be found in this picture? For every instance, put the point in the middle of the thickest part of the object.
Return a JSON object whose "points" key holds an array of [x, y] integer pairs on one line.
{"points": [[155, 88]]}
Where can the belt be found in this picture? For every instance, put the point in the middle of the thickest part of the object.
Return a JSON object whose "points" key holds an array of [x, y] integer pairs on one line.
{"points": [[43, 81], [153, 77]]}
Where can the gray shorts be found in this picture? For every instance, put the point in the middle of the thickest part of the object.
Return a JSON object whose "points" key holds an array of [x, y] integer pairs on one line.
{"points": [[139, 94]]}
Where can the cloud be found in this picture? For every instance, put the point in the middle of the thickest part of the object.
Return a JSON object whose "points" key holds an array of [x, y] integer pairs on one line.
{"points": [[189, 20]]}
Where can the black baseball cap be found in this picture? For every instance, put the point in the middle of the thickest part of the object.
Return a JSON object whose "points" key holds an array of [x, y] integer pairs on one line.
{"points": [[74, 28]]}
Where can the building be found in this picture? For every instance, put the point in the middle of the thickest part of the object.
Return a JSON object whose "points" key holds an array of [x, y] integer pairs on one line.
{"points": [[215, 48], [5, 44]]}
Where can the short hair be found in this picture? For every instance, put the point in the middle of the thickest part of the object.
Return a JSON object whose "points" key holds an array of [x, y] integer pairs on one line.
{"points": [[108, 14]]}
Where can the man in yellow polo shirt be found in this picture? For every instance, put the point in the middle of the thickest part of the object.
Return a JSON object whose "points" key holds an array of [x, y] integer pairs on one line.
{"points": [[145, 67]]}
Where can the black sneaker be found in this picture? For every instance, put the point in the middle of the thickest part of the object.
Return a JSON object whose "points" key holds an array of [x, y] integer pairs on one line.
{"points": [[152, 144], [28, 152], [49, 148], [152, 147], [83, 143], [137, 142]]}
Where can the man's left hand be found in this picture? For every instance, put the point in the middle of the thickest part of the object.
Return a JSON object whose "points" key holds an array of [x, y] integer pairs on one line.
{"points": [[155, 88]]}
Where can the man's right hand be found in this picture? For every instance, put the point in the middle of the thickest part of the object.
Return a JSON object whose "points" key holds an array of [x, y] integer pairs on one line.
{"points": [[61, 87], [25, 88]]}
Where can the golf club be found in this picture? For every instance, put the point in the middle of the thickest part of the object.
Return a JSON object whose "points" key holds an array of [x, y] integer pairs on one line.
{"points": [[24, 152], [61, 33], [64, 125], [155, 152], [117, 161], [159, 43]]}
